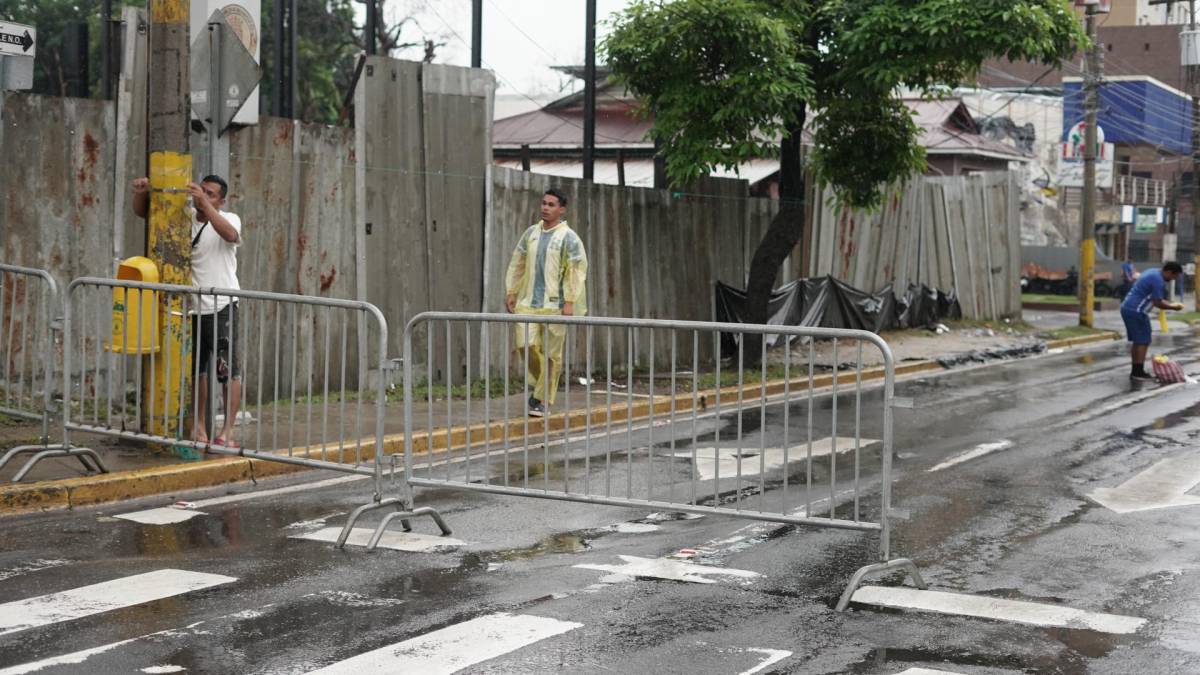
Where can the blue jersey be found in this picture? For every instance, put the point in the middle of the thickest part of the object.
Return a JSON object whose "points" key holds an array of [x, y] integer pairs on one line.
{"points": [[1148, 288], [1127, 270]]}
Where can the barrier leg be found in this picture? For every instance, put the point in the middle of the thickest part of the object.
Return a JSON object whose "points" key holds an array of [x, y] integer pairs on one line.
{"points": [[354, 516], [404, 516], [85, 455], [862, 573]]}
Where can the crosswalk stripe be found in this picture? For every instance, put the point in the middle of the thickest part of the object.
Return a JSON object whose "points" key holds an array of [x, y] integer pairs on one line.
{"points": [[103, 597], [1016, 611], [633, 567], [453, 648]]}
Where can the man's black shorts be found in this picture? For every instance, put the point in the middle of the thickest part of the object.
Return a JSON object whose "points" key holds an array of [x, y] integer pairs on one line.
{"points": [[229, 363]]}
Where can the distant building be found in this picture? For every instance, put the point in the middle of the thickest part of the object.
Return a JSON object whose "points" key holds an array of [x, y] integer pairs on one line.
{"points": [[550, 140]]}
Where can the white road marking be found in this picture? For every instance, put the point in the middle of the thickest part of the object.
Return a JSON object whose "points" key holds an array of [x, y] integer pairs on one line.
{"points": [[1163, 485], [170, 515], [103, 597], [412, 542], [165, 669], [754, 462], [773, 656], [1094, 413], [76, 658], [32, 566], [979, 451], [1016, 611], [167, 515], [660, 568], [456, 647]]}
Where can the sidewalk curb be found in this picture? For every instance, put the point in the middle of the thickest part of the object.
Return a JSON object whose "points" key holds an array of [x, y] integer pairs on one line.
{"points": [[90, 490]]}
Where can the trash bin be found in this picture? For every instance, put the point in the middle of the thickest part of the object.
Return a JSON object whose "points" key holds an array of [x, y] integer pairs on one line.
{"points": [[135, 310]]}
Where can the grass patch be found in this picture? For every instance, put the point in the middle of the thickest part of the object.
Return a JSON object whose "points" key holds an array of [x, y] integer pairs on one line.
{"points": [[1069, 332], [1190, 318], [1049, 299]]}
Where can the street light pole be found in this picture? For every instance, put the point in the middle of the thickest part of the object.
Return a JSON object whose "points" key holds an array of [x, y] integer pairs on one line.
{"points": [[476, 33], [589, 94], [1087, 241]]}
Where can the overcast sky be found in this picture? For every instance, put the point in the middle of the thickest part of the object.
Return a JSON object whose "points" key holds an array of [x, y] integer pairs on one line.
{"points": [[522, 39]]}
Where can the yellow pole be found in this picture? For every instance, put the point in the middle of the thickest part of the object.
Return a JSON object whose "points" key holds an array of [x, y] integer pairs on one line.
{"points": [[1087, 241], [168, 231]]}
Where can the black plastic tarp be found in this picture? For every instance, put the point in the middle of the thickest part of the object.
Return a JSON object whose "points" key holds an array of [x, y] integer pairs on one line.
{"points": [[826, 302]]}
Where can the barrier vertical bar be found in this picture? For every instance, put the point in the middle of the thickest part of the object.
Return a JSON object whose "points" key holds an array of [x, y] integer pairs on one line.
{"points": [[834, 435]]}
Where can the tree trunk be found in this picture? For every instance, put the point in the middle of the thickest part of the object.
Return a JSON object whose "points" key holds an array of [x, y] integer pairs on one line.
{"points": [[781, 238]]}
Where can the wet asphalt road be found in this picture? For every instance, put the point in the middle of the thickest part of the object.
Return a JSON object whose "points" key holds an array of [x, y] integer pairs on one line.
{"points": [[1013, 524]]}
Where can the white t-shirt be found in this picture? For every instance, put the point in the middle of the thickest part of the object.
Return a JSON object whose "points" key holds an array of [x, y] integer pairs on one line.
{"points": [[214, 262]]}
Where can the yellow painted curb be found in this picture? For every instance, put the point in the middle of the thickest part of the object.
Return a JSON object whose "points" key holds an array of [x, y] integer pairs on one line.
{"points": [[1107, 336]]}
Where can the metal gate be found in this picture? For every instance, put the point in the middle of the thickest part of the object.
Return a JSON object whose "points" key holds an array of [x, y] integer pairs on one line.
{"points": [[797, 439]]}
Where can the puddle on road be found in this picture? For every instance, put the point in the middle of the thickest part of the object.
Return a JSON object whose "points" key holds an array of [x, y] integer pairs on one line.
{"points": [[897, 659], [1174, 419], [567, 542]]}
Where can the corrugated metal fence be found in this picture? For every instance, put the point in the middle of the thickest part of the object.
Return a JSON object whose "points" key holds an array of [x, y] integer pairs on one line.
{"points": [[959, 232], [405, 211]]}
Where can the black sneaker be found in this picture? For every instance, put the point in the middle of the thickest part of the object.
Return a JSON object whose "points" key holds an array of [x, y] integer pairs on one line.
{"points": [[536, 409], [1141, 377]]}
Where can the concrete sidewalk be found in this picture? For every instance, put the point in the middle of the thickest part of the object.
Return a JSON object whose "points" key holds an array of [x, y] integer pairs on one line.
{"points": [[139, 470]]}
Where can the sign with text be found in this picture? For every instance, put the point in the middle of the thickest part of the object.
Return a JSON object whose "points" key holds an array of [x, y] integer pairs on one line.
{"points": [[17, 39]]}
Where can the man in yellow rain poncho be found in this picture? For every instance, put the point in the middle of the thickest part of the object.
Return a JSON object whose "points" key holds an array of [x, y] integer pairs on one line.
{"points": [[546, 276]]}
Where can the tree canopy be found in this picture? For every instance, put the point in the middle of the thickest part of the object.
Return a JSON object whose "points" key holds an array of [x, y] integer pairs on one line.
{"points": [[726, 79]]}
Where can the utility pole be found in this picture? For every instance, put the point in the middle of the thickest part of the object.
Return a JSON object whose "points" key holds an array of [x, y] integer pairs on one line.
{"points": [[589, 94], [1087, 238], [370, 29], [168, 228], [106, 55], [278, 10], [476, 33]]}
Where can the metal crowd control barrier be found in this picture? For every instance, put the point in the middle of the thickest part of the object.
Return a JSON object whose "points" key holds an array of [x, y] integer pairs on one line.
{"points": [[295, 361], [29, 318], [654, 435]]}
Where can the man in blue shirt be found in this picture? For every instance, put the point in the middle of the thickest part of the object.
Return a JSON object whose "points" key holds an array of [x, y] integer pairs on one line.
{"points": [[1149, 292]]}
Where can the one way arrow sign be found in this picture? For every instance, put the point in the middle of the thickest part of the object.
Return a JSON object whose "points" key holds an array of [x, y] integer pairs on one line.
{"points": [[17, 39]]}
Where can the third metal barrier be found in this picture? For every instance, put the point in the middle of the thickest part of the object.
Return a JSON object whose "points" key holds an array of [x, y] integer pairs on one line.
{"points": [[30, 315], [803, 437]]}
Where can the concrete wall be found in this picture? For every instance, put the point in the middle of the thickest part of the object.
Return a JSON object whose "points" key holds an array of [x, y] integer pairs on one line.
{"points": [[960, 233]]}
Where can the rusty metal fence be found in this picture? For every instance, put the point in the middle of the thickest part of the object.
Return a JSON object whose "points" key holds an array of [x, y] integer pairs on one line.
{"points": [[30, 317], [797, 439]]}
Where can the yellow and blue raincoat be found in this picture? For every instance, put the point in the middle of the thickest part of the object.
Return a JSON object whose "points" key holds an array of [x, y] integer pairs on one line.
{"points": [[548, 269]]}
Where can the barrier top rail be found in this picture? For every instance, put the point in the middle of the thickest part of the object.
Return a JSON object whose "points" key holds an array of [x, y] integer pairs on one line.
{"points": [[668, 324]]}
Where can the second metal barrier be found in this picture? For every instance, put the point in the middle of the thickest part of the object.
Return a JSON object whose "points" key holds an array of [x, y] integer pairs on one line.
{"points": [[796, 438]]}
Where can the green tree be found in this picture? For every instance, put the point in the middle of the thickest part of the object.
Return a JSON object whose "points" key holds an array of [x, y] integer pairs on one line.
{"points": [[50, 18], [729, 80]]}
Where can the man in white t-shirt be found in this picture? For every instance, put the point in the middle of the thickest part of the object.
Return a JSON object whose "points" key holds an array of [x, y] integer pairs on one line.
{"points": [[216, 235]]}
